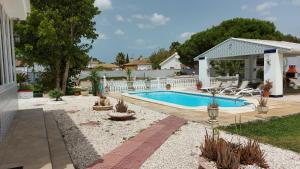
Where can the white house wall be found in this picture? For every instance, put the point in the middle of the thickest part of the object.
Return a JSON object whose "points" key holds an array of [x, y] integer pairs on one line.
{"points": [[144, 67], [8, 87], [173, 63]]}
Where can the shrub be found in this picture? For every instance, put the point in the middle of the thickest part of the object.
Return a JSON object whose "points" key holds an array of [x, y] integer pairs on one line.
{"points": [[25, 87], [121, 107], [209, 148], [21, 78], [95, 82], [227, 158], [168, 86], [252, 154], [56, 94]]}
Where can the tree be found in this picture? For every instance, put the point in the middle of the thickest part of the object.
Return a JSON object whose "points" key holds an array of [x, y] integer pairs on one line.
{"points": [[53, 32], [174, 46], [238, 27], [127, 59], [157, 57], [120, 59]]}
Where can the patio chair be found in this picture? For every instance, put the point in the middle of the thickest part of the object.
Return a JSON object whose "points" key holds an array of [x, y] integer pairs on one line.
{"points": [[234, 90], [215, 86], [251, 91], [295, 83], [227, 84]]}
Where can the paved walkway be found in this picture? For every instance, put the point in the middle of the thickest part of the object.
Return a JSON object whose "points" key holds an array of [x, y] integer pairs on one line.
{"points": [[134, 152], [34, 142]]}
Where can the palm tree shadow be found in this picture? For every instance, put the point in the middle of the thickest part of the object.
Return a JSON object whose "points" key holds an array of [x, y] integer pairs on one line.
{"points": [[81, 151]]}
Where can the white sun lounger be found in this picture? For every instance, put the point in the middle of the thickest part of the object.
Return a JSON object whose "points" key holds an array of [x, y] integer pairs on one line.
{"points": [[215, 86], [295, 82], [234, 90]]}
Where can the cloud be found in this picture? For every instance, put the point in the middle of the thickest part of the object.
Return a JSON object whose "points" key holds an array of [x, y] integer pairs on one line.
{"points": [[119, 18], [150, 21], [159, 19], [271, 18], [102, 36], [140, 41], [264, 8], [186, 35], [244, 7], [119, 32], [103, 4]]}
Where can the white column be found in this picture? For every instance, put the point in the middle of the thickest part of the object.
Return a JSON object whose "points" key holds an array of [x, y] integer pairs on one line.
{"points": [[204, 72], [273, 70], [247, 69]]}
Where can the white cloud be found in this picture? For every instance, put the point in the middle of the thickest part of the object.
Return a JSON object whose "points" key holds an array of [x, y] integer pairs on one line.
{"points": [[159, 19], [264, 8], [102, 36], [244, 7], [119, 32], [186, 35], [150, 21], [140, 41], [119, 18], [271, 18], [103, 4]]}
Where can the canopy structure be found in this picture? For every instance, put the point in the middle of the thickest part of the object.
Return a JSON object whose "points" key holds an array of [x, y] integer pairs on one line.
{"points": [[273, 53]]}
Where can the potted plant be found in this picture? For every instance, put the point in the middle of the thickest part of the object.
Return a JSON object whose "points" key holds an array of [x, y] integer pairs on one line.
{"points": [[266, 88], [129, 80], [213, 108], [168, 86], [262, 107], [121, 112], [199, 85], [25, 91], [102, 104], [77, 90], [56, 94], [37, 90]]}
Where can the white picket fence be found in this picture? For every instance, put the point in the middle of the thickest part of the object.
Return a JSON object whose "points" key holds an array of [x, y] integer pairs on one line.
{"points": [[157, 84]]}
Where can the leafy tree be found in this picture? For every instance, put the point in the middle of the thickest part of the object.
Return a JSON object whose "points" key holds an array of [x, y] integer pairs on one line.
{"points": [[238, 27], [174, 46], [52, 35], [120, 59], [232, 67]]}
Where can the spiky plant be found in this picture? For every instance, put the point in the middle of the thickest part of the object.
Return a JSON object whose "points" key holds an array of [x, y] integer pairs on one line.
{"points": [[227, 158], [121, 107], [252, 154], [209, 148]]}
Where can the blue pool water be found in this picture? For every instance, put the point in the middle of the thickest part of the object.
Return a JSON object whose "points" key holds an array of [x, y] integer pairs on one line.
{"points": [[190, 100]]}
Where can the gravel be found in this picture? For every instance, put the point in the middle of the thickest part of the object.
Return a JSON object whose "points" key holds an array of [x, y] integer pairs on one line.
{"points": [[87, 143]]}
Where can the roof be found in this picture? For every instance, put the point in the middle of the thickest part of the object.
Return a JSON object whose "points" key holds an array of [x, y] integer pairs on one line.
{"points": [[108, 65], [138, 62], [242, 46], [169, 58]]}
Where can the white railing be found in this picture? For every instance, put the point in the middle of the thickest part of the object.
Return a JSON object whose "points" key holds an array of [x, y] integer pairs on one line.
{"points": [[121, 85]]}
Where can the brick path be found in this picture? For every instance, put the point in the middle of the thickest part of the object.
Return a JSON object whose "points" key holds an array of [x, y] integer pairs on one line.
{"points": [[134, 152]]}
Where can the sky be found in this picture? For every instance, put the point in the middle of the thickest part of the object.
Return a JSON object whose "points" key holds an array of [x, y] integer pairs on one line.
{"points": [[141, 27]]}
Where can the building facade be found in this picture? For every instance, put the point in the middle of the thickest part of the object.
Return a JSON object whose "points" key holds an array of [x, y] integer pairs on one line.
{"points": [[171, 62], [9, 10]]}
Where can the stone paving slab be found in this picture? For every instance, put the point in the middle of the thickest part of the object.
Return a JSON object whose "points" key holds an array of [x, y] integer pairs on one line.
{"points": [[26, 142], [134, 152]]}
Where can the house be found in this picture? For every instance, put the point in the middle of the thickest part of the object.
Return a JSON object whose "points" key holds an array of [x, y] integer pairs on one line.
{"points": [[93, 63], [138, 64], [33, 72], [172, 62], [109, 66], [273, 53], [9, 11]]}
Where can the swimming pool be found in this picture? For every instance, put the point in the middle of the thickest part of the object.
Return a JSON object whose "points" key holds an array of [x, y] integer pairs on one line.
{"points": [[184, 99]]}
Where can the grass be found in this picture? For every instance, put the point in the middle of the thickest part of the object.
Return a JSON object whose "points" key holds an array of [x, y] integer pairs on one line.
{"points": [[281, 132]]}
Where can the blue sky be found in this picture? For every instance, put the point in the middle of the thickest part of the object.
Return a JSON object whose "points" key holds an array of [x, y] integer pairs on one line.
{"points": [[140, 27]]}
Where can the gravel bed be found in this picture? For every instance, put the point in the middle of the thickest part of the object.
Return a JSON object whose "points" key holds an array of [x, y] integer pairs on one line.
{"points": [[182, 150]]}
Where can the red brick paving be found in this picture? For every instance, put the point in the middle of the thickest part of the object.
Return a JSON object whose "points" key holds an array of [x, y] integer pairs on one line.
{"points": [[134, 152]]}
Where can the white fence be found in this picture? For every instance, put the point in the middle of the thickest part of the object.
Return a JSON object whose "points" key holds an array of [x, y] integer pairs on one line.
{"points": [[157, 84]]}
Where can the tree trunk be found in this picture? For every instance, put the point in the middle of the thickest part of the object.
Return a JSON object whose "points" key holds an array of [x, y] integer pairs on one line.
{"points": [[57, 78], [65, 77]]}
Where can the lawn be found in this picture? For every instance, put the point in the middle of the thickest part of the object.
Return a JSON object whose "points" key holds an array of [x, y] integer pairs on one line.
{"points": [[281, 132]]}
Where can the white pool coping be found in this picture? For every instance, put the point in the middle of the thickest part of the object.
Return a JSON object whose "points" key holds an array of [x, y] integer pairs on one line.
{"points": [[233, 110]]}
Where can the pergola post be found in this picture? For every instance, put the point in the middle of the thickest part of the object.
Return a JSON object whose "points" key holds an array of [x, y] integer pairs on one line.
{"points": [[204, 72], [273, 71], [250, 68]]}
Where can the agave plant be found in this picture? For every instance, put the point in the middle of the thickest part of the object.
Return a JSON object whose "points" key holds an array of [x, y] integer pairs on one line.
{"points": [[121, 107]]}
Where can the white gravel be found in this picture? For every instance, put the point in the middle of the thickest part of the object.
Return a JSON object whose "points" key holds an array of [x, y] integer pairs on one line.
{"points": [[181, 151]]}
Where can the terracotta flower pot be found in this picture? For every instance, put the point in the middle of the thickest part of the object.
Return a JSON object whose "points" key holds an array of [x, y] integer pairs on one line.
{"points": [[266, 93]]}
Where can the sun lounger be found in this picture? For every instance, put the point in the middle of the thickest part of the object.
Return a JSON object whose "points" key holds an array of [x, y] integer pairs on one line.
{"points": [[295, 83], [234, 90], [215, 86]]}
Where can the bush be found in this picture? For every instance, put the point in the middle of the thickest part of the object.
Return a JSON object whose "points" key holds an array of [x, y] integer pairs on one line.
{"points": [[25, 87], [121, 107], [252, 154], [228, 158], [56, 94], [209, 148]]}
